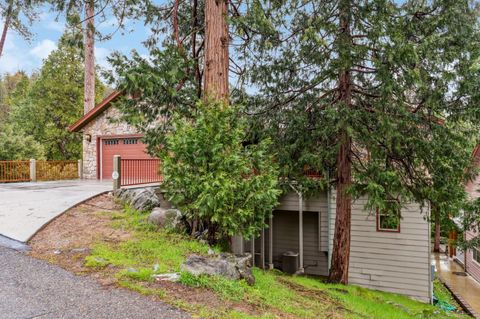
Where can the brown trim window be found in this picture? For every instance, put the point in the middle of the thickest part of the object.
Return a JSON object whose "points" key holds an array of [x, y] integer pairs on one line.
{"points": [[388, 222], [476, 254]]}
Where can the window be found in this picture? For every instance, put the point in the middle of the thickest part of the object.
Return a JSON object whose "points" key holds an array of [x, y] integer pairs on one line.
{"points": [[388, 221], [111, 142], [476, 254], [130, 141]]}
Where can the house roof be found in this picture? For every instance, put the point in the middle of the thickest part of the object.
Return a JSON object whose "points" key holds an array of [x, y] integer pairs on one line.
{"points": [[93, 113]]}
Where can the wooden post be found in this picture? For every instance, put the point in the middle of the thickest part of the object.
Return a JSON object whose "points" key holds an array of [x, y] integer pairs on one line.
{"points": [[262, 249], [80, 169], [237, 245], [300, 231], [270, 242], [33, 170], [252, 250], [117, 172]]}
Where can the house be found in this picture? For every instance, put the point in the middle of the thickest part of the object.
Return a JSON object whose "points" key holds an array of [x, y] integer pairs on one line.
{"points": [[471, 257], [386, 256], [105, 135], [393, 257]]}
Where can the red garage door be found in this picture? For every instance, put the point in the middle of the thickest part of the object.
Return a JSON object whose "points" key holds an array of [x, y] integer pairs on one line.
{"points": [[126, 147]]}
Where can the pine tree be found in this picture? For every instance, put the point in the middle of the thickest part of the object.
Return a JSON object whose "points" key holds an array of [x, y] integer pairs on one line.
{"points": [[361, 90]]}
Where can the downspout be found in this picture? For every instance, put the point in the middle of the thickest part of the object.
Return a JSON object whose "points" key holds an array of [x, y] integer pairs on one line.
{"points": [[300, 227], [300, 230], [329, 252], [431, 268]]}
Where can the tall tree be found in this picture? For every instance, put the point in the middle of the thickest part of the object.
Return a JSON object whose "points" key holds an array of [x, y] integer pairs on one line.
{"points": [[354, 89], [54, 101], [89, 54], [216, 50], [17, 15], [102, 10]]}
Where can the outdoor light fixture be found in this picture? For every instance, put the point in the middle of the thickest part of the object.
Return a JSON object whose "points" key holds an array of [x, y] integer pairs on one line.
{"points": [[88, 137]]}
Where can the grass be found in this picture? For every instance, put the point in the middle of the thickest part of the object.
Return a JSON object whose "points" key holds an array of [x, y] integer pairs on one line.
{"points": [[275, 295]]}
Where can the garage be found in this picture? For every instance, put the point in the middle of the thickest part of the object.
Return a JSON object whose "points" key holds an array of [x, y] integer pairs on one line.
{"points": [[128, 147]]}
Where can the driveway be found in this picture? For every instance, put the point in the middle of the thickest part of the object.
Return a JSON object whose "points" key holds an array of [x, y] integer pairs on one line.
{"points": [[26, 207], [31, 288]]}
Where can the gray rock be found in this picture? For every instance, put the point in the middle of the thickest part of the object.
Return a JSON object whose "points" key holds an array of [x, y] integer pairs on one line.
{"points": [[226, 265], [143, 199], [167, 277], [79, 250], [167, 218], [157, 216]]}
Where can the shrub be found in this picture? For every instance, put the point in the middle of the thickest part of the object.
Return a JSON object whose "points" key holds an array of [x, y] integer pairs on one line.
{"points": [[212, 176]]}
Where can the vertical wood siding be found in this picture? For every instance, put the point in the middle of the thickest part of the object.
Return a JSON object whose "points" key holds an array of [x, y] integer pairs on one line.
{"points": [[388, 261]]}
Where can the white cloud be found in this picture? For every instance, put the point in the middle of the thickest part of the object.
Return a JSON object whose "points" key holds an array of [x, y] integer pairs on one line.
{"points": [[52, 22], [43, 49], [101, 55], [13, 58]]}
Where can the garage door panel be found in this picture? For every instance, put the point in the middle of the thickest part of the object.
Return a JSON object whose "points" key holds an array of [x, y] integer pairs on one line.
{"points": [[126, 147]]}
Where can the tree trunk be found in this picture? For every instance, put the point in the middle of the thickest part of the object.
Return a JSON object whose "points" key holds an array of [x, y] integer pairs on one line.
{"points": [[89, 45], [341, 241], [436, 244], [216, 50], [8, 18]]}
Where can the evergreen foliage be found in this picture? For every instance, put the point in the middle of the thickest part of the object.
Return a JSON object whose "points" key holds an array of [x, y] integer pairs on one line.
{"points": [[212, 177], [16, 145]]}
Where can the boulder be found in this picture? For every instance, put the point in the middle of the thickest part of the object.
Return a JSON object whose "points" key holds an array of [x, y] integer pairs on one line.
{"points": [[167, 218], [226, 265], [143, 199]]}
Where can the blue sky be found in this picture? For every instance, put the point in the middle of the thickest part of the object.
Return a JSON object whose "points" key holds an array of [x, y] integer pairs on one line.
{"points": [[20, 54]]}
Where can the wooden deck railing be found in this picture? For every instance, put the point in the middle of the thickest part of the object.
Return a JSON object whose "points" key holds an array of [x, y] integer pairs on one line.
{"points": [[14, 171], [33, 170], [56, 170], [140, 171]]}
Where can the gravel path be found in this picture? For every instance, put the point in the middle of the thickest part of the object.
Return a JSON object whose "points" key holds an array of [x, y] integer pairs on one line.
{"points": [[31, 288]]}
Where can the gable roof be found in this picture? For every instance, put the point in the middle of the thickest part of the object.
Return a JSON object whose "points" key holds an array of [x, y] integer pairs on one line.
{"points": [[93, 113]]}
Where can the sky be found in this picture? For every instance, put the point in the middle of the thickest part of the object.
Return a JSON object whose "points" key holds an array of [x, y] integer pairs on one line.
{"points": [[20, 54]]}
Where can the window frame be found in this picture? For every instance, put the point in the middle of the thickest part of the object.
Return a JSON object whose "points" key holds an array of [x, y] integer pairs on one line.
{"points": [[476, 251], [386, 230]]}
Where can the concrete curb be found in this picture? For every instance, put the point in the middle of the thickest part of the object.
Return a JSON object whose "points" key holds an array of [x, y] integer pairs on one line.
{"points": [[462, 302]]}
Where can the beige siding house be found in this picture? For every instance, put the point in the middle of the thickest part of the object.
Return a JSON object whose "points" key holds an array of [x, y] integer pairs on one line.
{"points": [[472, 256], [389, 260]]}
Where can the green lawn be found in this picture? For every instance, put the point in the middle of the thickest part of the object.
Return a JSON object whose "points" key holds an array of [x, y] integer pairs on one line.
{"points": [[274, 295]]}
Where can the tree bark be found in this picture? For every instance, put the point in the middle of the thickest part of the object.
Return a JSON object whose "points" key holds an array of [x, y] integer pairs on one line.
{"points": [[8, 18], [216, 50], [436, 244], [89, 47], [341, 241]]}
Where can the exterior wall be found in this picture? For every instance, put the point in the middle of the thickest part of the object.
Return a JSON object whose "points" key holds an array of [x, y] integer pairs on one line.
{"points": [[285, 233], [397, 262], [104, 124], [315, 228], [472, 267]]}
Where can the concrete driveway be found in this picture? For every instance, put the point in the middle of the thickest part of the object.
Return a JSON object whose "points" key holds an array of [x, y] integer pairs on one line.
{"points": [[26, 207]]}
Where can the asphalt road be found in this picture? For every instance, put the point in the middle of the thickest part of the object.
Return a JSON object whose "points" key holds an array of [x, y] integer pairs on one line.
{"points": [[31, 288]]}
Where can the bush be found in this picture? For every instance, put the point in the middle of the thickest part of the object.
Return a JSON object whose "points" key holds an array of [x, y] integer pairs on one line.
{"points": [[15, 145], [211, 176]]}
